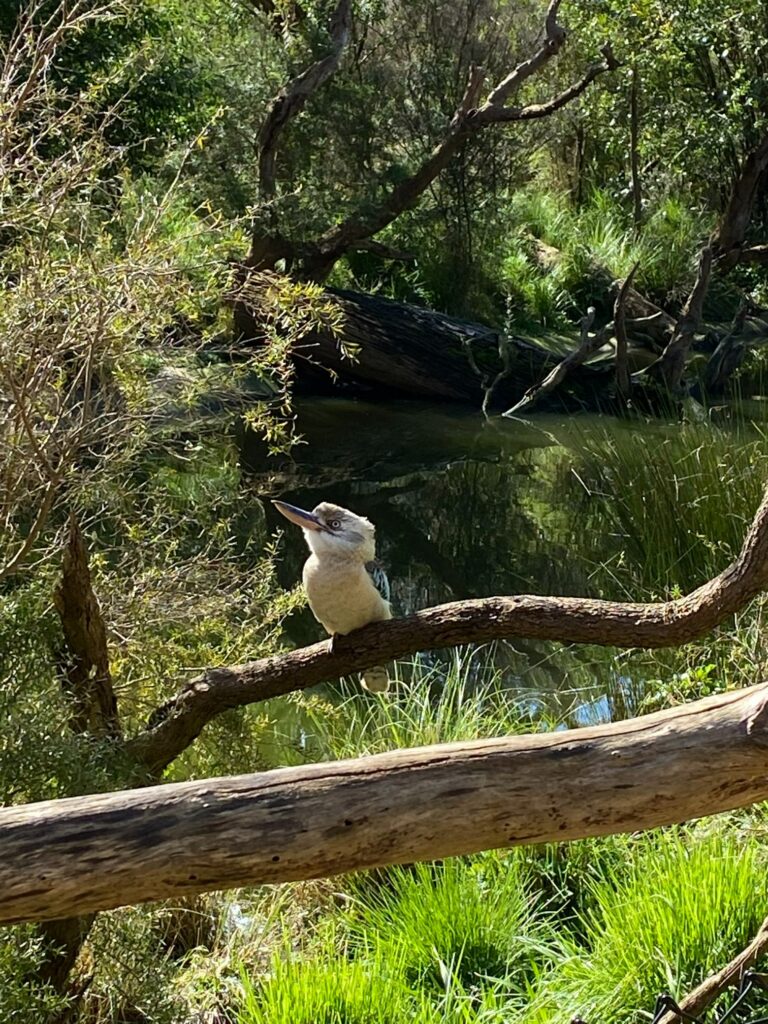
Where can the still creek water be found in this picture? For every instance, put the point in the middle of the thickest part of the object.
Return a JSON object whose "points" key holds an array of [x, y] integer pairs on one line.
{"points": [[462, 508]]}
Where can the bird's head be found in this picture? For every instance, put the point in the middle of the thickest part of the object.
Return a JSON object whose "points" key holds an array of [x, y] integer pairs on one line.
{"points": [[332, 530]]}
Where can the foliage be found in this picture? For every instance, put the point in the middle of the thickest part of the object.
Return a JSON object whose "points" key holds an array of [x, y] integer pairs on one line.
{"points": [[128, 195], [326, 990], [681, 515], [466, 920]]}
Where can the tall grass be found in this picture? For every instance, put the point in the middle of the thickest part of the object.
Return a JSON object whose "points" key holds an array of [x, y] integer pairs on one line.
{"points": [[595, 243], [682, 906], [331, 989], [680, 505], [674, 508], [429, 702], [468, 919]]}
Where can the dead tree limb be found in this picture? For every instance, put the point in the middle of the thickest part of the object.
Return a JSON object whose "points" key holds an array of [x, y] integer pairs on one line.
{"points": [[754, 254], [177, 724], [320, 820], [588, 344], [697, 1001]]}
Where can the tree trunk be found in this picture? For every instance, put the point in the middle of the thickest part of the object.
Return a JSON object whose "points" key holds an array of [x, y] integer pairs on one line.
{"points": [[321, 820], [85, 669], [87, 681]]}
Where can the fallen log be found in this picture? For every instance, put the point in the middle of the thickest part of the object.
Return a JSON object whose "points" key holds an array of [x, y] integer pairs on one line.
{"points": [[405, 350], [90, 853], [409, 350]]}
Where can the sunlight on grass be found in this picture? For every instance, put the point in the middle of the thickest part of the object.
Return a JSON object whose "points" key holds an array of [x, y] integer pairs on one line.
{"points": [[681, 906], [330, 989], [427, 703], [464, 919]]}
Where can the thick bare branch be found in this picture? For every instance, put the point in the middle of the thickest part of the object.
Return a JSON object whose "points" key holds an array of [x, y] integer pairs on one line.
{"points": [[291, 99], [568, 620], [350, 232], [324, 819], [491, 113], [554, 40], [672, 362]]}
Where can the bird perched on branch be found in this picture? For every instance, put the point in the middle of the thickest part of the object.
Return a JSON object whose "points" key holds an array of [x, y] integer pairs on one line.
{"points": [[345, 585]]}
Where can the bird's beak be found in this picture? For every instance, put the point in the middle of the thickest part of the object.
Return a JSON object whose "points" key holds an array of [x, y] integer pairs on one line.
{"points": [[306, 520]]}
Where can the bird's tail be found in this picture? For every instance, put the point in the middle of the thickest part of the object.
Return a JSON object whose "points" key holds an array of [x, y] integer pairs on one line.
{"points": [[376, 679]]}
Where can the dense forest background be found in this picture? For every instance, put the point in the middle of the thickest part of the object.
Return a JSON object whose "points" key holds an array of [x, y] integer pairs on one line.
{"points": [[137, 209]]}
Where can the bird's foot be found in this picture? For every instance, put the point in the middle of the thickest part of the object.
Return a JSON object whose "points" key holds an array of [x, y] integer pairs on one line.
{"points": [[332, 643]]}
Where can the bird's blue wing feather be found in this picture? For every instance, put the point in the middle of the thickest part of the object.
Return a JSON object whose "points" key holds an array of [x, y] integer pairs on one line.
{"points": [[379, 579]]}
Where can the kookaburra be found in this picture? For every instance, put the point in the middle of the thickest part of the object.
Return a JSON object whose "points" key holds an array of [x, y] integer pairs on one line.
{"points": [[345, 586]]}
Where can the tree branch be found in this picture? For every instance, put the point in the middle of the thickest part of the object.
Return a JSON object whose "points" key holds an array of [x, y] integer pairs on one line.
{"points": [[587, 345], [467, 120], [86, 672], [732, 229], [291, 99], [491, 113], [321, 820], [712, 987], [41, 518], [177, 724], [673, 359], [554, 40]]}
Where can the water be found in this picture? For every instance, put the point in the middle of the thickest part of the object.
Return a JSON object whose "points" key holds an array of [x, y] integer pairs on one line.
{"points": [[463, 508]]}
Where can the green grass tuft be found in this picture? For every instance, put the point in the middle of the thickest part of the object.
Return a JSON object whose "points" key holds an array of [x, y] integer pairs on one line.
{"points": [[682, 906], [462, 920]]}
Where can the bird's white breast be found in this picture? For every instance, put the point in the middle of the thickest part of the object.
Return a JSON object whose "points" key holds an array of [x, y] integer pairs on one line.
{"points": [[341, 594]]}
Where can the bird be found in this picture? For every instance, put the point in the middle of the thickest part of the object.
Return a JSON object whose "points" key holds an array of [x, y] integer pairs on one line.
{"points": [[346, 587]]}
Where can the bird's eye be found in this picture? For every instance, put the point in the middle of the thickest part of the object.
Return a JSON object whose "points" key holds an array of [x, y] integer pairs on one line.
{"points": [[334, 524]]}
